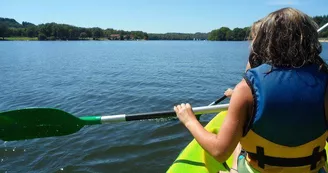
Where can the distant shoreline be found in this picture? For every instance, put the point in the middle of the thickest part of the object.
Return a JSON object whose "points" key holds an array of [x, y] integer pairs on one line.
{"points": [[325, 40]]}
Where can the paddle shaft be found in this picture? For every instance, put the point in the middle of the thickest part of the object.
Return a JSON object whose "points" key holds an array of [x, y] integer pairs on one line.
{"points": [[323, 27], [153, 115], [218, 100]]}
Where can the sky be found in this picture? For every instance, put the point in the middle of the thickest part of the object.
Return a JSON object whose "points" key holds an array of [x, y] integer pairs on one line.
{"points": [[153, 16]]}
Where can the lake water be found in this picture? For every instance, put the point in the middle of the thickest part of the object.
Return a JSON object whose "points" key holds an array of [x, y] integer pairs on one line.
{"points": [[113, 77]]}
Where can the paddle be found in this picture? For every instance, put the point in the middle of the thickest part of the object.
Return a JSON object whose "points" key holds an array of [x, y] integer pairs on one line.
{"points": [[46, 122], [324, 26], [213, 103], [218, 100]]}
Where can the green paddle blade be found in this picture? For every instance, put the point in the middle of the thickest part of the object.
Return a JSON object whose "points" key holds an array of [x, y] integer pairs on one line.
{"points": [[37, 123]]}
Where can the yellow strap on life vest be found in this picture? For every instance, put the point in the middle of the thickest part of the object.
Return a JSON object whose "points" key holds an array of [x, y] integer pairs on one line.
{"points": [[251, 141]]}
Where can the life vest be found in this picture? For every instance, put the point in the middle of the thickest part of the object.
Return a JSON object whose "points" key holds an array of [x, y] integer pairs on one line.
{"points": [[287, 131]]}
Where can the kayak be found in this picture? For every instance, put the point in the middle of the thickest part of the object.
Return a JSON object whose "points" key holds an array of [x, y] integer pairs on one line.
{"points": [[194, 159]]}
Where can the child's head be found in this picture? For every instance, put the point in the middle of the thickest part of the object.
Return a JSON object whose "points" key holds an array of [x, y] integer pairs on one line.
{"points": [[286, 37], [255, 28]]}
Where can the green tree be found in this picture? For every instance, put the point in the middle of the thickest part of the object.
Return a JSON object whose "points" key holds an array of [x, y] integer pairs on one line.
{"points": [[247, 31], [97, 33], [238, 34], [27, 24], [42, 36], [63, 32], [200, 36], [11, 23], [225, 34], [146, 37], [31, 31], [108, 32], [16, 32], [83, 35], [229, 35], [222, 34], [45, 29], [89, 32], [3, 30], [324, 34], [213, 35]]}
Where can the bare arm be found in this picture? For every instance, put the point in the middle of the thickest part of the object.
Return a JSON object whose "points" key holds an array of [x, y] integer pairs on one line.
{"points": [[222, 145]]}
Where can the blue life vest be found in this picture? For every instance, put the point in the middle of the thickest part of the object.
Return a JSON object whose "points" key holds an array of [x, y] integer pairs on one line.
{"points": [[289, 112]]}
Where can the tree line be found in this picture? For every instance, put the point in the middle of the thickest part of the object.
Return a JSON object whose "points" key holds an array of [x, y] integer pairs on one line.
{"points": [[178, 36], [54, 31], [225, 34]]}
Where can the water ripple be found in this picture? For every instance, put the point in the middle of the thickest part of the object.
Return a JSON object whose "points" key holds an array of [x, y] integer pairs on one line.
{"points": [[106, 78]]}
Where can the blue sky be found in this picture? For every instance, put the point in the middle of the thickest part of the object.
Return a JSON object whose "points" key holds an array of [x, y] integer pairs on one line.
{"points": [[153, 16]]}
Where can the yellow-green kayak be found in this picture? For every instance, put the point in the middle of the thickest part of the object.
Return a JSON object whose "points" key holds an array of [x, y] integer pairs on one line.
{"points": [[193, 159]]}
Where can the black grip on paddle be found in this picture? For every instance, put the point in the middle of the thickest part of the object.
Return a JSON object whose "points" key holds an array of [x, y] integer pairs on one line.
{"points": [[161, 114], [150, 115], [219, 100]]}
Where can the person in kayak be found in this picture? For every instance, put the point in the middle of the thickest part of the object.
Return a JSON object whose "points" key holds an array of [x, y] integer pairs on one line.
{"points": [[278, 111]]}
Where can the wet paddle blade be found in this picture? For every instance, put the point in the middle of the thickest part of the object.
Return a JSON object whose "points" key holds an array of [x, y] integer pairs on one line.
{"points": [[37, 123]]}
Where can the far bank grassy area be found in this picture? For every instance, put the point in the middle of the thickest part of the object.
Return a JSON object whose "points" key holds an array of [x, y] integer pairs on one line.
{"points": [[21, 38]]}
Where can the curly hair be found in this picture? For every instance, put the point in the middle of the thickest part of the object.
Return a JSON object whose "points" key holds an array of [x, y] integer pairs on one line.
{"points": [[254, 62], [286, 38]]}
